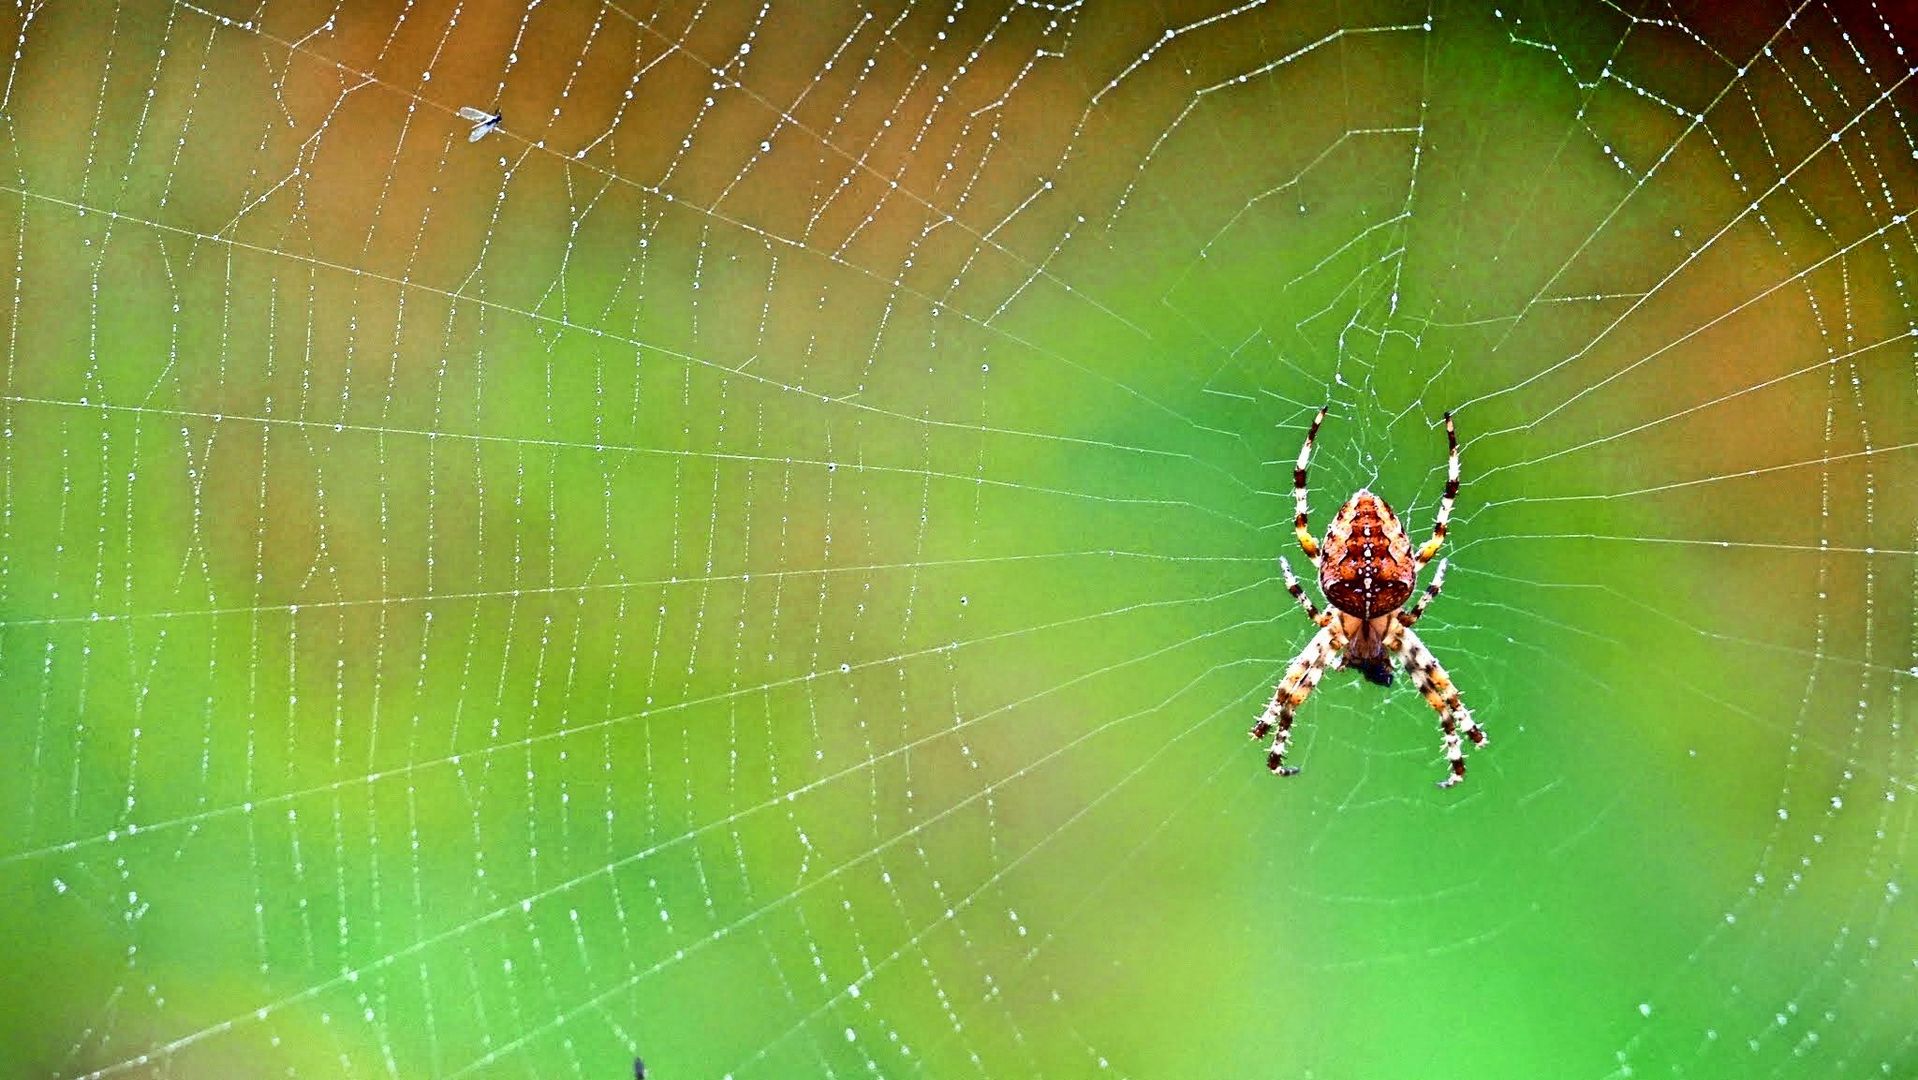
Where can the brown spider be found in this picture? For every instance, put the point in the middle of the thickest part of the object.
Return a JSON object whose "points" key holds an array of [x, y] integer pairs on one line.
{"points": [[1367, 568]]}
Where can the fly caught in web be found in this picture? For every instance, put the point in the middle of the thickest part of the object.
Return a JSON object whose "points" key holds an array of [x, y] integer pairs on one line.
{"points": [[483, 122]]}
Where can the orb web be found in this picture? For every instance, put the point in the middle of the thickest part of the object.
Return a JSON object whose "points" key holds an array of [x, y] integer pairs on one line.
{"points": [[764, 561]]}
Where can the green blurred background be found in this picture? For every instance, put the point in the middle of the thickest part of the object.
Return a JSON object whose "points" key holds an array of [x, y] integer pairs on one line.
{"points": [[766, 562]]}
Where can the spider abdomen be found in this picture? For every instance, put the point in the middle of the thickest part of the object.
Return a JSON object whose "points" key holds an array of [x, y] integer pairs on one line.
{"points": [[1367, 567]]}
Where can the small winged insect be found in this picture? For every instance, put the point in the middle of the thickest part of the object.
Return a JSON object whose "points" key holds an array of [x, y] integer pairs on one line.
{"points": [[639, 1069], [482, 121]]}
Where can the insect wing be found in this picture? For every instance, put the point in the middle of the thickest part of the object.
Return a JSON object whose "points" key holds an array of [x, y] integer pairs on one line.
{"points": [[479, 131], [467, 112]]}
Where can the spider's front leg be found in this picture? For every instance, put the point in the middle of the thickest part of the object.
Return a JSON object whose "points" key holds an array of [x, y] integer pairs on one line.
{"points": [[1454, 718], [1300, 678]]}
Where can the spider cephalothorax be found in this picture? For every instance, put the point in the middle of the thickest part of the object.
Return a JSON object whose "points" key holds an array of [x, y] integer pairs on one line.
{"points": [[1367, 569]]}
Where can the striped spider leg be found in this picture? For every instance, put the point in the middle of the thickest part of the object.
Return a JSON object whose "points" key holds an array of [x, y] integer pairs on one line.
{"points": [[1454, 718], [1443, 521], [1306, 543], [1300, 679]]}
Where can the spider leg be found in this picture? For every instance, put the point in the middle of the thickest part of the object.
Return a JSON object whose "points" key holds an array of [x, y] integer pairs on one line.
{"points": [[1407, 618], [1454, 717], [1430, 547], [1300, 678], [1298, 593], [1306, 543]]}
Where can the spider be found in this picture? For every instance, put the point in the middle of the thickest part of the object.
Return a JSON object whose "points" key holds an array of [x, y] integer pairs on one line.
{"points": [[1367, 569]]}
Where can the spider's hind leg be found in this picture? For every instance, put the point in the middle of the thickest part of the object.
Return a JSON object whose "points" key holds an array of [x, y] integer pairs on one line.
{"points": [[1307, 543], [1430, 547], [1298, 593]]}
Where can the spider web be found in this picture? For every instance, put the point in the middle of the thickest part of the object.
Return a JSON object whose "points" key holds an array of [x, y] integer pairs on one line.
{"points": [[764, 562]]}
